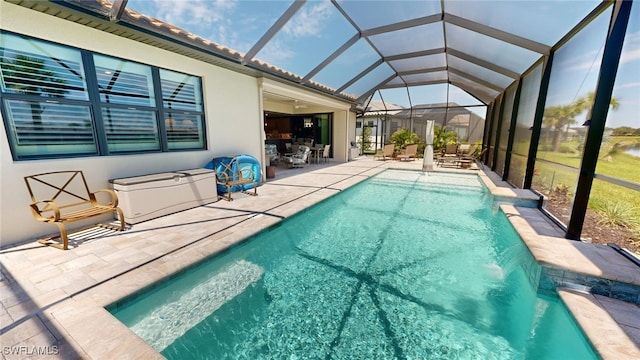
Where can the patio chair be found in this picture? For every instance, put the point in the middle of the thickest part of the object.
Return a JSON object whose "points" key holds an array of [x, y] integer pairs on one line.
{"points": [[387, 151], [409, 153], [294, 149], [477, 158], [325, 153], [463, 149], [472, 150], [231, 177], [316, 152], [451, 149], [300, 158], [449, 155], [62, 197]]}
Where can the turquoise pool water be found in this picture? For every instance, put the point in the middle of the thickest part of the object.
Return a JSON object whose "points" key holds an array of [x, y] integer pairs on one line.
{"points": [[406, 265]]}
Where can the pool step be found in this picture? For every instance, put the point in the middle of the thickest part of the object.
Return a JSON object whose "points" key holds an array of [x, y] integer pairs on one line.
{"points": [[166, 323]]}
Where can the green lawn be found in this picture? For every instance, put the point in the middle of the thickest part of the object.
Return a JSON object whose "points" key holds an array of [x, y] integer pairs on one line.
{"points": [[619, 165]]}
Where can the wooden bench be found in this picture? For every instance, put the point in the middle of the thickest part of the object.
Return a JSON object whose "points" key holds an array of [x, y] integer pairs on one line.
{"points": [[231, 175], [63, 197]]}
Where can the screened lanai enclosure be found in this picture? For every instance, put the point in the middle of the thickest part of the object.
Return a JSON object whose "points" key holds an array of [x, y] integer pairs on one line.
{"points": [[550, 88]]}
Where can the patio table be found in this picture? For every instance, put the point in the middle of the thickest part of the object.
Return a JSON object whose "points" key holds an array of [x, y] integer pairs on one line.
{"points": [[317, 153]]}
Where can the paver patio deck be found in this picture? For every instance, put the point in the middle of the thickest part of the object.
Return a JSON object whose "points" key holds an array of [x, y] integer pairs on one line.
{"points": [[52, 301]]}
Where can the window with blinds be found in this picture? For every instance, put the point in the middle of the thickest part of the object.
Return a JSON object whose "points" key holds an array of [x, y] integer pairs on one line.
{"points": [[45, 98], [42, 127], [182, 102], [128, 105], [51, 108]]}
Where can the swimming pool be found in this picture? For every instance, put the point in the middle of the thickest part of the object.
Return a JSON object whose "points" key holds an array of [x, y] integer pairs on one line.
{"points": [[404, 265]]}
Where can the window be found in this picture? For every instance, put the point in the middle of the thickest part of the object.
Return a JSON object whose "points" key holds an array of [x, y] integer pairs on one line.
{"points": [[615, 194], [505, 125], [45, 99], [182, 102], [127, 105], [574, 75], [52, 109], [524, 121]]}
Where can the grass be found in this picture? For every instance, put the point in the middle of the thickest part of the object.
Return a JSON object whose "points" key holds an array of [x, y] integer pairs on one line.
{"points": [[620, 165], [618, 214], [617, 204]]}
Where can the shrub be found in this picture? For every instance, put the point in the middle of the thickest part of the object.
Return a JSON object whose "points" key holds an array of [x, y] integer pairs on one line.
{"points": [[562, 190], [421, 146], [565, 149], [366, 136], [618, 214], [442, 137], [404, 137]]}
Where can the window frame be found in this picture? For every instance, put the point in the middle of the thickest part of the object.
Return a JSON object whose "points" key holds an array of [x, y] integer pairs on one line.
{"points": [[96, 106]]}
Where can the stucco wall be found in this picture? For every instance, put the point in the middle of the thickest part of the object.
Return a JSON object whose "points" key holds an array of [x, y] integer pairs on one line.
{"points": [[233, 112], [231, 108]]}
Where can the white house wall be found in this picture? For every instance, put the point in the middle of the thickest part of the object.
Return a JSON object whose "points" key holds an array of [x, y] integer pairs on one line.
{"points": [[231, 108], [233, 114]]}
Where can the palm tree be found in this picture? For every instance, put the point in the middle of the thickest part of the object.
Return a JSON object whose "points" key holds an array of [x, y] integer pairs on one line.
{"points": [[586, 102], [561, 117], [558, 118]]}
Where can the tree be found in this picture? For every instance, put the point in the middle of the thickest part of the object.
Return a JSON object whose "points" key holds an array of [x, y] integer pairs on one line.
{"points": [[560, 118], [586, 102], [404, 137], [625, 131]]}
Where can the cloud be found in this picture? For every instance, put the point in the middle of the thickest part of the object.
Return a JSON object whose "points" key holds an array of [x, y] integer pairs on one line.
{"points": [[197, 16], [276, 53], [310, 20], [632, 37], [185, 12], [587, 61], [629, 56], [628, 85]]}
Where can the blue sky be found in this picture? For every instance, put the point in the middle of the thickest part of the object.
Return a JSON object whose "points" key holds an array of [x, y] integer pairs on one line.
{"points": [[627, 87], [576, 68], [318, 29]]}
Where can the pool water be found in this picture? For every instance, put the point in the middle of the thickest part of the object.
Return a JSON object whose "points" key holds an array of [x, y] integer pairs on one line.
{"points": [[406, 265]]}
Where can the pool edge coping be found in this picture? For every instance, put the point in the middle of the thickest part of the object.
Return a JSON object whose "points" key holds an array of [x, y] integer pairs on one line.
{"points": [[606, 349], [607, 336], [102, 343], [94, 301]]}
